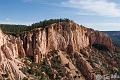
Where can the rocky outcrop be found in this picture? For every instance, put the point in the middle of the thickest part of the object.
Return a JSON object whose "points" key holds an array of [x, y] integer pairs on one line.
{"points": [[66, 37], [56, 36], [62, 36], [96, 37], [10, 51], [85, 67]]}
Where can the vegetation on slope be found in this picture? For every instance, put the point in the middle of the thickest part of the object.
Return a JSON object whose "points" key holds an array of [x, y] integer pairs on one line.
{"points": [[50, 68], [103, 62]]}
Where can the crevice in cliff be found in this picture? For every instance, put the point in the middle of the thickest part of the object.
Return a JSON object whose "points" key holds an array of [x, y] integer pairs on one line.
{"points": [[46, 30], [33, 45]]}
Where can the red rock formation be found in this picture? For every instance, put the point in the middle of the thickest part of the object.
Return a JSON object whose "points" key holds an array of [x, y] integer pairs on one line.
{"points": [[96, 37], [10, 50], [60, 36], [85, 68], [64, 36], [56, 36]]}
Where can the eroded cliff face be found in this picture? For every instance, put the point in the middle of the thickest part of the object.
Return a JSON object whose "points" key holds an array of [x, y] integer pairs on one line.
{"points": [[96, 37], [64, 36], [67, 37], [10, 51]]}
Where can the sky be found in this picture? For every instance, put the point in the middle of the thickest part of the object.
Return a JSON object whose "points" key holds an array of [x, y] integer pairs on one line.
{"points": [[103, 15]]}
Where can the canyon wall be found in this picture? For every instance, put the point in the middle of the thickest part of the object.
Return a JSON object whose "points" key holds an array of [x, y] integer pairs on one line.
{"points": [[10, 51], [62, 36], [68, 37]]}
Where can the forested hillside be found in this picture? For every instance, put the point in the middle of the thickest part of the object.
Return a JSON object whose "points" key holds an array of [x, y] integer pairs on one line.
{"points": [[16, 30]]}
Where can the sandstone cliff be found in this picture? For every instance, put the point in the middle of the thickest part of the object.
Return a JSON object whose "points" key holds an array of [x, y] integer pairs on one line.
{"points": [[64, 36], [10, 51], [67, 37]]}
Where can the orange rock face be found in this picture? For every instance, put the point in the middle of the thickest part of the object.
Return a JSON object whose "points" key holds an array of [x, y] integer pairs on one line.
{"points": [[59, 36], [65, 36], [96, 37], [10, 49], [56, 36]]}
